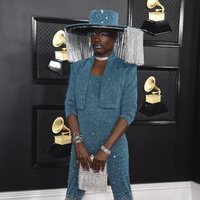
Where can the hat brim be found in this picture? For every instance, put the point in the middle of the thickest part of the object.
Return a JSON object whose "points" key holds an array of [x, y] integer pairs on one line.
{"points": [[84, 29]]}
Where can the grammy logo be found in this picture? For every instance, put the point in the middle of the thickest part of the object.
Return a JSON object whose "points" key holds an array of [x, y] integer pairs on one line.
{"points": [[64, 133], [59, 64], [150, 86], [156, 24], [152, 105], [159, 13]]}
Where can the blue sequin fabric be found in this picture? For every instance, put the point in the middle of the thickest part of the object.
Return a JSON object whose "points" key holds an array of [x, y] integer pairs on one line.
{"points": [[96, 123], [105, 17]]}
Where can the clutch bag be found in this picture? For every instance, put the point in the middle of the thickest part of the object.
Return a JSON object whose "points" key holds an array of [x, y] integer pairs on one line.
{"points": [[92, 181]]}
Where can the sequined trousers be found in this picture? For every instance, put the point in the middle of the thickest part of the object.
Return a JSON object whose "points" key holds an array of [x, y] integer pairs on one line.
{"points": [[95, 126]]}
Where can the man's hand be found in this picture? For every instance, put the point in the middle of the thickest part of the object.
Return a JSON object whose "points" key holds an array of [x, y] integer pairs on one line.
{"points": [[83, 156], [99, 161]]}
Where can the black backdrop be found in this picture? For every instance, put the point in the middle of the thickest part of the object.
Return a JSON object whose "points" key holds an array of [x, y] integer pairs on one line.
{"points": [[158, 152]]}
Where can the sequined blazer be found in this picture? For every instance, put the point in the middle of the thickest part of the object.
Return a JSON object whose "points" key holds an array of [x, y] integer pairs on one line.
{"points": [[118, 87]]}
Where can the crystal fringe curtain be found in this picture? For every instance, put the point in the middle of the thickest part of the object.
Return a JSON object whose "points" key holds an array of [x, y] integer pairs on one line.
{"points": [[128, 46]]}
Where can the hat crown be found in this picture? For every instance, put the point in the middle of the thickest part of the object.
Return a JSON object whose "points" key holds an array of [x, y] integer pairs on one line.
{"points": [[104, 17]]}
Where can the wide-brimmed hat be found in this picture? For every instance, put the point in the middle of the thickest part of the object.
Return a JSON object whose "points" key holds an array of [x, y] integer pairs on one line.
{"points": [[106, 19], [128, 45]]}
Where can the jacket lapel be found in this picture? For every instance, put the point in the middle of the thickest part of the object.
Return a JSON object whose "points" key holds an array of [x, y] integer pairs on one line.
{"points": [[110, 86], [82, 82]]}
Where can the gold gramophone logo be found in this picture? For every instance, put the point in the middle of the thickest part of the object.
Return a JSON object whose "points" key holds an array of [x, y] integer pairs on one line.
{"points": [[152, 104], [158, 14], [156, 23], [61, 56], [155, 92], [62, 133]]}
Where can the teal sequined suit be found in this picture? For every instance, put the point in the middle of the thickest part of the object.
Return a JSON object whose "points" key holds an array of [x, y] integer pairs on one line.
{"points": [[99, 101]]}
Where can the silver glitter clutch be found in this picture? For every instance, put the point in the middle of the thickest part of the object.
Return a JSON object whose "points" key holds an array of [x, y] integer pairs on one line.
{"points": [[91, 181]]}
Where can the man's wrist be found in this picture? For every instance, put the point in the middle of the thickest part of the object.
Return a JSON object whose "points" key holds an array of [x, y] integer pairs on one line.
{"points": [[75, 133], [105, 150], [77, 138]]}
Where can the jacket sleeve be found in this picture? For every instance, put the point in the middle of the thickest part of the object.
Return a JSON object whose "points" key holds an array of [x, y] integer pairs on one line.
{"points": [[70, 101], [129, 96]]}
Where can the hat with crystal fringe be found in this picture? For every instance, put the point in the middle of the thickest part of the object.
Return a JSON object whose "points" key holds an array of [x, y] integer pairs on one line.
{"points": [[128, 46]]}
